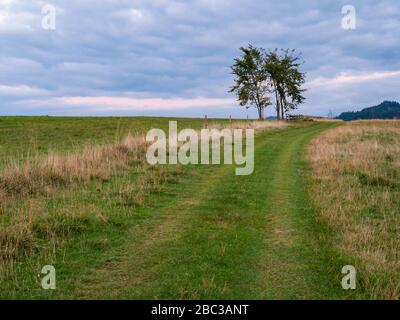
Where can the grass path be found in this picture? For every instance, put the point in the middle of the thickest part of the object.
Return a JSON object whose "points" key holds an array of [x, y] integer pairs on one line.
{"points": [[220, 236]]}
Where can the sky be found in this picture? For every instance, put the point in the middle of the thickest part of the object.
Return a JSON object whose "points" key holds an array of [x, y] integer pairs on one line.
{"points": [[173, 58]]}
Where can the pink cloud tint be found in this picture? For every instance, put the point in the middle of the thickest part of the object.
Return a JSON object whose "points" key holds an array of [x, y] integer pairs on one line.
{"points": [[105, 103]]}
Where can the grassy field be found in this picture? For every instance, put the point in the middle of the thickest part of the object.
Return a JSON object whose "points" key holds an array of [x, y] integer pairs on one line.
{"points": [[357, 192], [115, 227], [25, 137]]}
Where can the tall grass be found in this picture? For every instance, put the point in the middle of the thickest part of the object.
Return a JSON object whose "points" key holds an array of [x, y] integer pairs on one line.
{"points": [[42, 174], [24, 188], [27, 226], [356, 169]]}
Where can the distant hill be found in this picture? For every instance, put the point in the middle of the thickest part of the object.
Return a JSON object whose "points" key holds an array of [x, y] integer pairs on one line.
{"points": [[386, 110]]}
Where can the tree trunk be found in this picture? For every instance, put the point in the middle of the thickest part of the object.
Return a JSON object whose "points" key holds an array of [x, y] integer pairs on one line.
{"points": [[277, 103], [282, 110], [260, 113]]}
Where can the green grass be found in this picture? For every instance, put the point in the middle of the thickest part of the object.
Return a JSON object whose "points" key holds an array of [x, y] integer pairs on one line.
{"points": [[200, 233], [24, 137]]}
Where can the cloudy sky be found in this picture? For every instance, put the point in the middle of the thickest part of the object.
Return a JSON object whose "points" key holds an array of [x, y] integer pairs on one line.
{"points": [[172, 58]]}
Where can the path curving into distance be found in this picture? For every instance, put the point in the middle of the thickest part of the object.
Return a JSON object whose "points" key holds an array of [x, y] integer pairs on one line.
{"points": [[219, 236]]}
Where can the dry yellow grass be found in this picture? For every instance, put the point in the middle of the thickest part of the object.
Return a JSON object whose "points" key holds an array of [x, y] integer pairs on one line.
{"points": [[42, 174], [258, 126], [356, 168], [327, 120]]}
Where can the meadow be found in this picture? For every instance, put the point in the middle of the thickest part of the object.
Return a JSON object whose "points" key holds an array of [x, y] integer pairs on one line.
{"points": [[77, 193], [357, 192]]}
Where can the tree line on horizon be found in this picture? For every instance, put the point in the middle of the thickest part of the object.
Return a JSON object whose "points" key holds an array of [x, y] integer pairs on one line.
{"points": [[263, 77]]}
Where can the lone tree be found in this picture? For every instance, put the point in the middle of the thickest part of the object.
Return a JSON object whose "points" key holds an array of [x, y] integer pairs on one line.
{"points": [[286, 80], [251, 84], [260, 74]]}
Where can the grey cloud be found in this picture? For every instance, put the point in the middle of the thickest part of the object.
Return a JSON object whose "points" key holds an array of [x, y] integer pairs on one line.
{"points": [[174, 48]]}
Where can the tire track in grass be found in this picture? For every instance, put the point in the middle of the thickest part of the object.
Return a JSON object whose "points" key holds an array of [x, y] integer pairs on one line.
{"points": [[132, 264], [290, 248], [225, 236], [241, 230], [130, 270]]}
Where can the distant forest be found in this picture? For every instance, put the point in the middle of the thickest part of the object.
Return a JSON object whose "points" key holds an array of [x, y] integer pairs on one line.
{"points": [[386, 110]]}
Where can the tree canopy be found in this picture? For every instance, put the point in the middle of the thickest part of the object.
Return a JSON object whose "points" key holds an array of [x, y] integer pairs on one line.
{"points": [[263, 76]]}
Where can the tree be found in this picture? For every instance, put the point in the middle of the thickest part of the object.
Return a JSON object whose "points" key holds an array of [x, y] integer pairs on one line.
{"points": [[286, 80], [292, 82], [260, 74], [251, 85], [274, 68]]}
